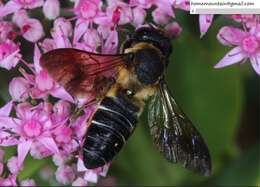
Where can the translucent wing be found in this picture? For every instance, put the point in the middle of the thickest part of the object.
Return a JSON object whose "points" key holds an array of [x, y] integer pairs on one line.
{"points": [[175, 136], [82, 73]]}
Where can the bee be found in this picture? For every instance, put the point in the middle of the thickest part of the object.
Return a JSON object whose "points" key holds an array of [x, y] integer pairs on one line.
{"points": [[119, 85]]}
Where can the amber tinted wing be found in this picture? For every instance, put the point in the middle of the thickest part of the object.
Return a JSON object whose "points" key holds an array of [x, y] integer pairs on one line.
{"points": [[175, 136], [82, 73]]}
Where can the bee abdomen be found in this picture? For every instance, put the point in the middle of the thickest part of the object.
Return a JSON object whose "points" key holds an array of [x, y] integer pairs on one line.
{"points": [[111, 126]]}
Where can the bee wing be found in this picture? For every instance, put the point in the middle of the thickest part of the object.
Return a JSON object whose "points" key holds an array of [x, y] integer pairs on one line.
{"points": [[82, 73], [174, 135]]}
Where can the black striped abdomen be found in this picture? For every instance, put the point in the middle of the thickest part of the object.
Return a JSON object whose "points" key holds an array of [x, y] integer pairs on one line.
{"points": [[111, 126]]}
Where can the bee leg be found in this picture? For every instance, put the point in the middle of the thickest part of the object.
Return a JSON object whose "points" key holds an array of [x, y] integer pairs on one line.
{"points": [[80, 111]]}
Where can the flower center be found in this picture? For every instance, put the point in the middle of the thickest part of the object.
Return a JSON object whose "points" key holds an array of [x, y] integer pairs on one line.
{"points": [[32, 128], [250, 44], [25, 28]]}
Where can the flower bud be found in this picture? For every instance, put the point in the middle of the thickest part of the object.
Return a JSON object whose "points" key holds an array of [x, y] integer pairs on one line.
{"points": [[18, 89], [51, 9]]}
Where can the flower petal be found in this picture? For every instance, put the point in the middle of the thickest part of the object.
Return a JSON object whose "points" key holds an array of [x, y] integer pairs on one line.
{"points": [[32, 30], [6, 139], [62, 94], [205, 22], [80, 29], [9, 8], [23, 149], [110, 45], [19, 88], [51, 9], [91, 176], [9, 123], [50, 144], [255, 62], [36, 58], [229, 35], [80, 166], [232, 57], [5, 110], [11, 60]]}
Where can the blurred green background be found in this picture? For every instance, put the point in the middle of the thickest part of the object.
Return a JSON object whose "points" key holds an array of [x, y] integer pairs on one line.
{"points": [[222, 103]]}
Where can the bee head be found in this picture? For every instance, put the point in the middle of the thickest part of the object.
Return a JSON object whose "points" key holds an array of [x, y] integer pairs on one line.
{"points": [[155, 36]]}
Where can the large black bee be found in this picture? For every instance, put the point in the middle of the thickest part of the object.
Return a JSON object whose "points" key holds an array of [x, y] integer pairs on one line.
{"points": [[119, 85]]}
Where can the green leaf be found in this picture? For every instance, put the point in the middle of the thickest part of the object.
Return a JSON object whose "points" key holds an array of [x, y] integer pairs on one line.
{"points": [[32, 166], [243, 171]]}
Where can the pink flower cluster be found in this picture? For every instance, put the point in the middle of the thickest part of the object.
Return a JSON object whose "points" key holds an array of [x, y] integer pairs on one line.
{"points": [[246, 42], [41, 119]]}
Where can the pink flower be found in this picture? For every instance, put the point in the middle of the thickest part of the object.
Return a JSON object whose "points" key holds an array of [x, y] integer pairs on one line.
{"points": [[60, 159], [182, 4], [60, 33], [111, 43], [92, 175], [141, 3], [6, 30], [28, 182], [51, 9], [63, 135], [91, 41], [15, 5], [173, 29], [61, 110], [247, 46], [250, 20], [80, 182], [19, 17], [139, 15], [8, 181], [63, 25], [39, 151], [18, 89], [87, 9], [32, 125], [119, 12], [32, 29], [30, 4], [65, 174], [13, 166], [105, 26], [164, 12], [160, 17], [47, 44], [9, 54], [205, 21], [43, 83]]}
